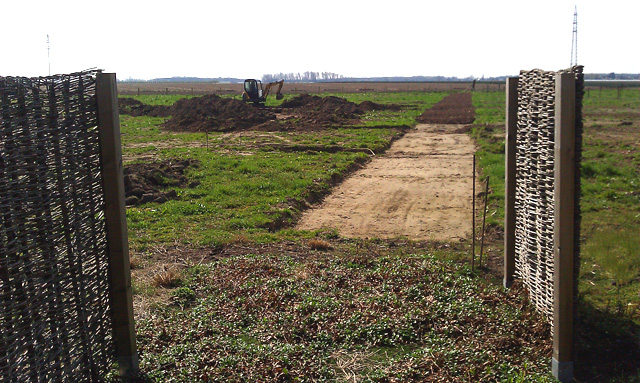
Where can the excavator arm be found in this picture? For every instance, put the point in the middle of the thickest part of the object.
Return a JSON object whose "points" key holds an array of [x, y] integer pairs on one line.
{"points": [[268, 87]]}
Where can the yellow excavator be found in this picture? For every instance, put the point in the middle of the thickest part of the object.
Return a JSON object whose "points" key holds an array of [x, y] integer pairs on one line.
{"points": [[254, 93]]}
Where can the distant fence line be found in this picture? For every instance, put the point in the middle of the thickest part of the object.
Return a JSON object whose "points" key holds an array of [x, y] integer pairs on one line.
{"points": [[592, 88], [58, 304], [542, 212], [151, 88]]}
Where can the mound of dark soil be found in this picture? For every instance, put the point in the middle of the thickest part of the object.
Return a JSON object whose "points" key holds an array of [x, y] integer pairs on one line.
{"points": [[213, 113], [144, 182], [330, 109], [315, 106], [136, 108], [299, 101], [368, 106], [456, 108]]}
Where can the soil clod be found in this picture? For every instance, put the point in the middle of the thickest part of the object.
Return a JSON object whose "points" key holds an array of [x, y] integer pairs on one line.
{"points": [[147, 182]]}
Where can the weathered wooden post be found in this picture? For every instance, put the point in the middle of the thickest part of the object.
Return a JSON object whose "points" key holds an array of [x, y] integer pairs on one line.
{"points": [[563, 236], [510, 182], [117, 240]]}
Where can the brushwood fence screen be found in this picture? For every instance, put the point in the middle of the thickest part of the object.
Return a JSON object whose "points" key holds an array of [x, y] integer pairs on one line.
{"points": [[542, 215], [55, 313], [535, 179]]}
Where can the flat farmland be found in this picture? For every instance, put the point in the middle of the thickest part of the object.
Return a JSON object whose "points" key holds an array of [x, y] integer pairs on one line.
{"points": [[227, 287], [199, 88]]}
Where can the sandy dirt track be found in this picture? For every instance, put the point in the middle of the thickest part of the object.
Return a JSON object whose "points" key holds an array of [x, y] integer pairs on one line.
{"points": [[419, 189]]}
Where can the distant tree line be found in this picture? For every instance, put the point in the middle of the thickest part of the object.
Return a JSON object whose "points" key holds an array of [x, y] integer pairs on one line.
{"points": [[334, 77], [302, 77], [612, 76]]}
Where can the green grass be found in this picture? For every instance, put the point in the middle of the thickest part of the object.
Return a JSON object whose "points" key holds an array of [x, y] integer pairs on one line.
{"points": [[413, 105], [246, 194], [166, 100], [488, 133], [490, 107], [610, 203]]}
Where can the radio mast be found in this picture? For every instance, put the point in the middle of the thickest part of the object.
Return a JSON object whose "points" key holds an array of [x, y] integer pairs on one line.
{"points": [[49, 54], [574, 39]]}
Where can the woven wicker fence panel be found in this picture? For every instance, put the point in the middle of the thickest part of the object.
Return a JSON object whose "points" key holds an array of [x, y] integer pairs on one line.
{"points": [[534, 201], [54, 305]]}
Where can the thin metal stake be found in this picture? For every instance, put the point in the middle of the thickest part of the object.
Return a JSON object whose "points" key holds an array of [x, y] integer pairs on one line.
{"points": [[473, 217], [484, 216]]}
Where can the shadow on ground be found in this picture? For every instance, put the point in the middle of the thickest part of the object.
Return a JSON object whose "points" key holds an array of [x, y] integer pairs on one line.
{"points": [[607, 346]]}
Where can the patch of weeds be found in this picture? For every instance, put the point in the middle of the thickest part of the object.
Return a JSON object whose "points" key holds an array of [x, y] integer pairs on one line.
{"points": [[183, 296], [402, 314]]}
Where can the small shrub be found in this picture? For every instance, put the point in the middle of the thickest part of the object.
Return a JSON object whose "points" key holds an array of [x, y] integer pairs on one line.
{"points": [[183, 296]]}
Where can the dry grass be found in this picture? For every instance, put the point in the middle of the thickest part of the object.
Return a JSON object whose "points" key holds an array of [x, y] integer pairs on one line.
{"points": [[353, 365], [135, 262], [167, 277], [319, 244]]}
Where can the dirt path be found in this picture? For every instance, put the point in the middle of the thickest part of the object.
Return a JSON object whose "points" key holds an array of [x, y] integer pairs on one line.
{"points": [[420, 189]]}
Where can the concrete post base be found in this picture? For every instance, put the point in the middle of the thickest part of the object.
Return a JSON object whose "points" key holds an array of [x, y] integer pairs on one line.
{"points": [[563, 371]]}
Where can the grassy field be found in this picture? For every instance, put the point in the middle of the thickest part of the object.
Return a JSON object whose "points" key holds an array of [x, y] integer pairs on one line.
{"points": [[226, 291], [248, 186], [609, 281]]}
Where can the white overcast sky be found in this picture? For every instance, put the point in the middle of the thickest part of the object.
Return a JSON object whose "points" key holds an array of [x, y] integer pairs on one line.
{"points": [[246, 38]]}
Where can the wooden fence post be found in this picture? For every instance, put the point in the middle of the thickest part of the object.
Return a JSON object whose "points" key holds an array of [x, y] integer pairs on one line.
{"points": [[510, 182], [117, 240], [564, 195]]}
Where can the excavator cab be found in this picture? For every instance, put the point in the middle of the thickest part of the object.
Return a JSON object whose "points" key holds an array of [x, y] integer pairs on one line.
{"points": [[253, 91]]}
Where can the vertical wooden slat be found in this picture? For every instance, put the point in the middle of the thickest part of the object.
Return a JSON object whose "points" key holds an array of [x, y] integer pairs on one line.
{"points": [[564, 195], [117, 239], [510, 182]]}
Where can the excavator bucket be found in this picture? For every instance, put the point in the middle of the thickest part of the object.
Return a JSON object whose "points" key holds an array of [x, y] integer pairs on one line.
{"points": [[279, 96]]}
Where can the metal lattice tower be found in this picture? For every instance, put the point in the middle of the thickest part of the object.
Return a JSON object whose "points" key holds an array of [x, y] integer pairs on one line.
{"points": [[574, 39]]}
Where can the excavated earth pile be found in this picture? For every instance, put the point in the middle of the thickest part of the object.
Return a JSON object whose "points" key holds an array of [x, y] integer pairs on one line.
{"points": [[200, 114], [456, 108], [213, 113], [136, 108], [331, 109], [308, 112], [144, 182]]}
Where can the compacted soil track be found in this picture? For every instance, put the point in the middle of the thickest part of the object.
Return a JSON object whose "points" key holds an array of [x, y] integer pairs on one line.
{"points": [[421, 188]]}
